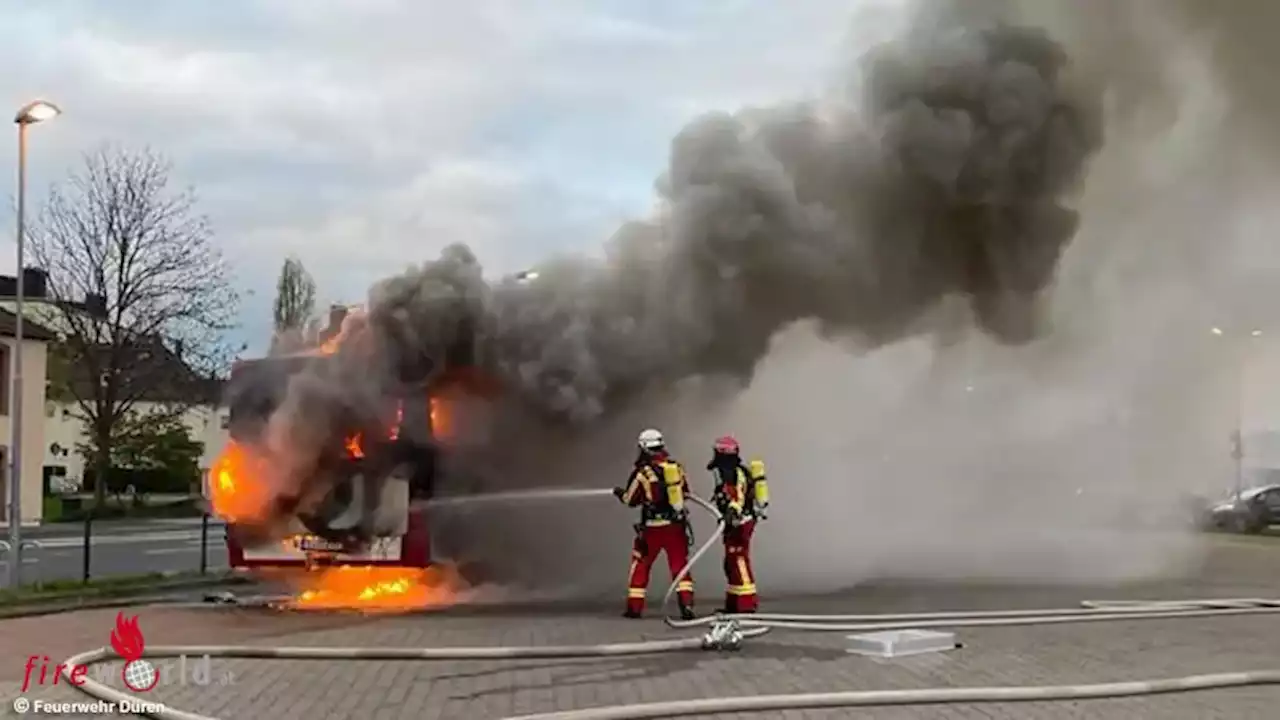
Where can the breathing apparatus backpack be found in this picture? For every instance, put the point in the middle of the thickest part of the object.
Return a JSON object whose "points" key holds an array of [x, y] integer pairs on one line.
{"points": [[757, 495], [668, 500]]}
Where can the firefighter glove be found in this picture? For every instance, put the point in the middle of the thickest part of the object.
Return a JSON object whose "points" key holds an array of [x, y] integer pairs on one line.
{"points": [[619, 492]]}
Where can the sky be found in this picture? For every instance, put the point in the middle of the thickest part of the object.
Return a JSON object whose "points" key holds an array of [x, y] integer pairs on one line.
{"points": [[363, 136]]}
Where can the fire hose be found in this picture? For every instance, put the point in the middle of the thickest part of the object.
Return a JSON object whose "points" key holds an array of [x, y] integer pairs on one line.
{"points": [[718, 639], [727, 633]]}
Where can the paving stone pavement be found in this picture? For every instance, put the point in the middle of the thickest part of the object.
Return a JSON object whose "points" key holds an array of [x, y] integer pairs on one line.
{"points": [[783, 662]]}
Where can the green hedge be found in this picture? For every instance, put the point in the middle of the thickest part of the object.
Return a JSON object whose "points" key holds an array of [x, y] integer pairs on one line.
{"points": [[73, 509], [148, 481]]}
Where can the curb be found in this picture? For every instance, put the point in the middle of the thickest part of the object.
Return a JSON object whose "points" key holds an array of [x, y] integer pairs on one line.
{"points": [[144, 595]]}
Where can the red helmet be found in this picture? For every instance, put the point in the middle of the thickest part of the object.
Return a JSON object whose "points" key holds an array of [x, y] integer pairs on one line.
{"points": [[726, 445]]}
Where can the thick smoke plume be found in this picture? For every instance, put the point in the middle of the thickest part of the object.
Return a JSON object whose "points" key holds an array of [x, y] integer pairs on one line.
{"points": [[859, 287], [948, 176], [945, 172]]}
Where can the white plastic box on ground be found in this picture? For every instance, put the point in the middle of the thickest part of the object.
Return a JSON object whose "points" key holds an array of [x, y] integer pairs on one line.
{"points": [[897, 643]]}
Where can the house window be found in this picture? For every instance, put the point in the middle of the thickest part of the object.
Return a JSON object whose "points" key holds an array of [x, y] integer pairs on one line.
{"points": [[226, 421], [4, 380]]}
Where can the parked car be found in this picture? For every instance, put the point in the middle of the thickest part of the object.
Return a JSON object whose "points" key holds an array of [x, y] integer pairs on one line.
{"points": [[1251, 512]]}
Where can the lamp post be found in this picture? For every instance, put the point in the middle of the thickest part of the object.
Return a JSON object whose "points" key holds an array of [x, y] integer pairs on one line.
{"points": [[28, 115], [1237, 440]]}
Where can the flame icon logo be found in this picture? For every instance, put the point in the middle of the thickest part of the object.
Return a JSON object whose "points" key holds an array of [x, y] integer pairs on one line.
{"points": [[126, 639]]}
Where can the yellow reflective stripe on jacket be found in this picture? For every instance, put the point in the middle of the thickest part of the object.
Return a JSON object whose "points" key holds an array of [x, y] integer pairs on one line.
{"points": [[661, 488], [644, 481], [748, 586], [634, 485], [737, 499]]}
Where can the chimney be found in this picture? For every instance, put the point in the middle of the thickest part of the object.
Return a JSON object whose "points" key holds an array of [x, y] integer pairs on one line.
{"points": [[337, 313], [96, 306], [35, 283]]}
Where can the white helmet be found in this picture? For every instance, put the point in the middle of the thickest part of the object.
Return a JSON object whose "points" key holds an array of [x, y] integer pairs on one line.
{"points": [[650, 440]]}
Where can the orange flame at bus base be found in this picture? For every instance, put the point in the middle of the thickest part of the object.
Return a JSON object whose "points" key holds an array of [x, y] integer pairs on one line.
{"points": [[378, 588]]}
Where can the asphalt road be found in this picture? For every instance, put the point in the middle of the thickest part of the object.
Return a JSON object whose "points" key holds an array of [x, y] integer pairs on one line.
{"points": [[118, 548]]}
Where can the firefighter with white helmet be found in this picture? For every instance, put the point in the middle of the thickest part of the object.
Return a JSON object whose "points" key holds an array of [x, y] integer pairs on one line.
{"points": [[658, 486], [742, 496]]}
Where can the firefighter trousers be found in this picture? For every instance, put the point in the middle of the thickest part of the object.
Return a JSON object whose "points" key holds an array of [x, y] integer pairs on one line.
{"points": [[740, 579], [650, 541]]}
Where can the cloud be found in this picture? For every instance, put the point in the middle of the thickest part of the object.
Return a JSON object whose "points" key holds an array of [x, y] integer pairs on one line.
{"points": [[364, 135]]}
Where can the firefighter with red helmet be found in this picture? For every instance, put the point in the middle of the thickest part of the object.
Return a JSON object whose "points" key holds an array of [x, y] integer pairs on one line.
{"points": [[658, 486], [742, 496]]}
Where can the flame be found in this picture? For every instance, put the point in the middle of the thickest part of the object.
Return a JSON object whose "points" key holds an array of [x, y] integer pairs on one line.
{"points": [[355, 446], [355, 443], [379, 588], [439, 418], [350, 326], [395, 429], [236, 490]]}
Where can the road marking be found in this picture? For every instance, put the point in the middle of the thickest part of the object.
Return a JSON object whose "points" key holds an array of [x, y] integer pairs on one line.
{"points": [[73, 542]]}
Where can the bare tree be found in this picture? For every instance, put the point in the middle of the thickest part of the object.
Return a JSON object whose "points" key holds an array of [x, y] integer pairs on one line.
{"points": [[294, 307], [138, 293]]}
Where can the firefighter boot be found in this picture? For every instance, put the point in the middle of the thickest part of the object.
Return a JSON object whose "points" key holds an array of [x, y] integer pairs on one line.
{"points": [[686, 613], [629, 613]]}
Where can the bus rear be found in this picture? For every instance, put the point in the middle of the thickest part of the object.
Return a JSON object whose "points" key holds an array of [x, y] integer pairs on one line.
{"points": [[374, 513]]}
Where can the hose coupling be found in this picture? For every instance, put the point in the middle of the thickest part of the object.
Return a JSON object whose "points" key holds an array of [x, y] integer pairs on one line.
{"points": [[724, 635]]}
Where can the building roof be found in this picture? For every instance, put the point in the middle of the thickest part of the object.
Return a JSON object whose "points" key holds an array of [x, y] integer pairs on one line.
{"points": [[30, 330], [151, 372]]}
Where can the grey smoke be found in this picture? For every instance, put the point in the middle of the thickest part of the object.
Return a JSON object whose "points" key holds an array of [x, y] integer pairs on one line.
{"points": [[948, 176], [827, 279]]}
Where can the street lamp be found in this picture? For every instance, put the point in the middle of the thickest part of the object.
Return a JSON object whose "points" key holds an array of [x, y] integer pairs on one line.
{"points": [[35, 112], [28, 115], [1237, 440]]}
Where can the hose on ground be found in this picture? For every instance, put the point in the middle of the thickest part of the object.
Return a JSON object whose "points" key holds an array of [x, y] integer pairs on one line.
{"points": [[100, 691], [745, 626], [923, 696]]}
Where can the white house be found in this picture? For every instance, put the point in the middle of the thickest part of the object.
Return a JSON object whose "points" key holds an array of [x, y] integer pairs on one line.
{"points": [[168, 385], [65, 431], [59, 425], [34, 363]]}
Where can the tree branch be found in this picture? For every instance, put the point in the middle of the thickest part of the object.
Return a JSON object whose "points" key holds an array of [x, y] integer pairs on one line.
{"points": [[117, 235]]}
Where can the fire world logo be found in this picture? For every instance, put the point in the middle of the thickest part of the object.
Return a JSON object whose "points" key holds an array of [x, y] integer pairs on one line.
{"points": [[138, 674]]}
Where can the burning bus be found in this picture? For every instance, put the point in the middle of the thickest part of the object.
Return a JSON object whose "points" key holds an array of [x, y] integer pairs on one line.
{"points": [[403, 464], [363, 537]]}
